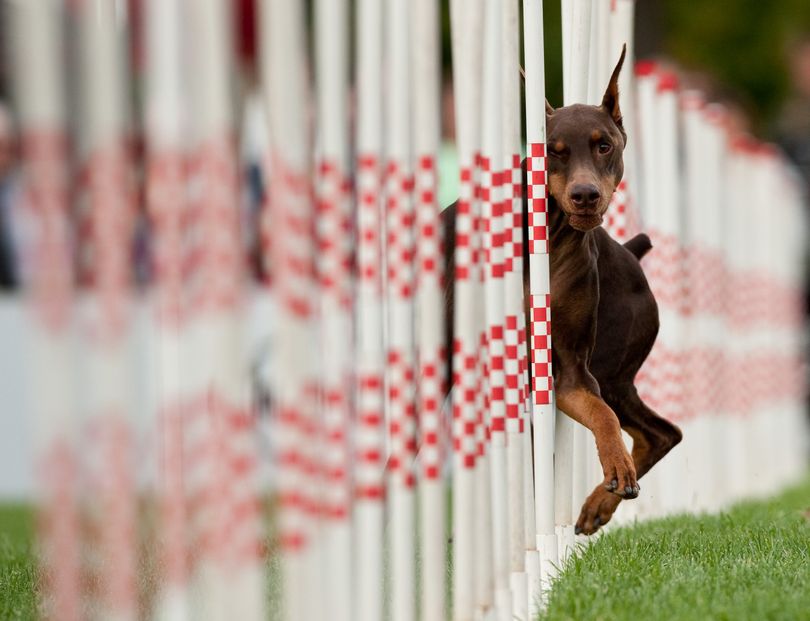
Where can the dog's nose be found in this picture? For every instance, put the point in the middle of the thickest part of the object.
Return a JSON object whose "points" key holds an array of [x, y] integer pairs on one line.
{"points": [[584, 195]]}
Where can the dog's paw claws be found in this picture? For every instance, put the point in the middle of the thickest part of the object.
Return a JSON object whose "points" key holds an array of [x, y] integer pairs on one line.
{"points": [[577, 531], [612, 485]]}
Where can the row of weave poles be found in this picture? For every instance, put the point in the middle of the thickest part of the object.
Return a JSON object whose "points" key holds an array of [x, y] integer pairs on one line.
{"points": [[155, 507]]}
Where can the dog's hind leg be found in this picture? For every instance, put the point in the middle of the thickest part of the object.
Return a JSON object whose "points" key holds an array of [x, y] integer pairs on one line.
{"points": [[653, 437]]}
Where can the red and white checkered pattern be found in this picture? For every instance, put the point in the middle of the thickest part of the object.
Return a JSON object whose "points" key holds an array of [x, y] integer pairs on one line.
{"points": [[466, 346], [288, 228], [540, 313], [334, 257], [166, 195], [431, 354], [513, 216], [466, 389], [622, 220], [513, 269], [536, 196], [400, 218], [369, 441], [51, 295], [402, 423], [400, 256], [334, 229], [111, 216]]}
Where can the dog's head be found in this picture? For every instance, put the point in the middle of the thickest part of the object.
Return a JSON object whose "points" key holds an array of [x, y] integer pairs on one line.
{"points": [[585, 146]]}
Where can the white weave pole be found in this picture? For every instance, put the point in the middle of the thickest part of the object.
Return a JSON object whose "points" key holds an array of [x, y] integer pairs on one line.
{"points": [[492, 207], [540, 303], [165, 182], [623, 218], [466, 22], [399, 220], [41, 104], [292, 256], [370, 433], [425, 61], [587, 469], [335, 283], [106, 311], [570, 438], [229, 574], [513, 306]]}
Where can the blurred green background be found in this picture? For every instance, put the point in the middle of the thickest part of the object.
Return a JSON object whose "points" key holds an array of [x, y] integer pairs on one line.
{"points": [[740, 47]]}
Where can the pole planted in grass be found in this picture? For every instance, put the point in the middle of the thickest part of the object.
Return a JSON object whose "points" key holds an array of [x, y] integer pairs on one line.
{"points": [[466, 22], [40, 100], [540, 300], [425, 59], [333, 233], [369, 485]]}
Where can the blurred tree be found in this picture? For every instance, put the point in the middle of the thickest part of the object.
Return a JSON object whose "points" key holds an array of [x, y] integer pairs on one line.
{"points": [[743, 44]]}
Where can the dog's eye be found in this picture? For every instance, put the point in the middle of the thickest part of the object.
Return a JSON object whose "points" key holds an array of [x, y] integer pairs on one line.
{"points": [[605, 148], [556, 153]]}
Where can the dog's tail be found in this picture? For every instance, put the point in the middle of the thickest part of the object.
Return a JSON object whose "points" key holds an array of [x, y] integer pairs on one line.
{"points": [[639, 245]]}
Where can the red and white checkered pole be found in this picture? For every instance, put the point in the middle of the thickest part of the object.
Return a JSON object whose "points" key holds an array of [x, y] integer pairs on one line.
{"points": [[466, 21], [369, 431], [228, 572], [492, 205], [512, 214], [289, 225], [40, 101], [401, 355], [105, 313], [166, 200], [429, 307], [540, 297], [334, 227], [623, 221]]}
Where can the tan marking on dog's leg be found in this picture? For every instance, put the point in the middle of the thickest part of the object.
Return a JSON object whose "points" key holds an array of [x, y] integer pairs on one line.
{"points": [[591, 411]]}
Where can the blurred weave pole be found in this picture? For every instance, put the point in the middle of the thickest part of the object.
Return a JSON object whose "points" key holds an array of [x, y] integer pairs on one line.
{"points": [[570, 438], [431, 354], [370, 362], [166, 198], [192, 546], [107, 196], [492, 238], [400, 280], [334, 265], [622, 218], [519, 554], [41, 101], [227, 573], [466, 20], [542, 393], [291, 253]]}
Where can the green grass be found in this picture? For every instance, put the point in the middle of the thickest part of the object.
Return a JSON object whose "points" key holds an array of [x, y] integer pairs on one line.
{"points": [[752, 562], [18, 574]]}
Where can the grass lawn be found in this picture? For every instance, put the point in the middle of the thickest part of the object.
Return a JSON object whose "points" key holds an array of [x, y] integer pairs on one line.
{"points": [[17, 568], [752, 562]]}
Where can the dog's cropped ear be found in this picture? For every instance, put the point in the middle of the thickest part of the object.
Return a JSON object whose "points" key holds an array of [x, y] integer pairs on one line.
{"points": [[549, 109], [610, 100]]}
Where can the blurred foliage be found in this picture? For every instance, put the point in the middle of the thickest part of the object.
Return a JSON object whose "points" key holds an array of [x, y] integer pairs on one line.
{"points": [[743, 44]]}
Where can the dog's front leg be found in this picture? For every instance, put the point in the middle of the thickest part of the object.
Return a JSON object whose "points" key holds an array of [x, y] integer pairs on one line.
{"points": [[587, 408]]}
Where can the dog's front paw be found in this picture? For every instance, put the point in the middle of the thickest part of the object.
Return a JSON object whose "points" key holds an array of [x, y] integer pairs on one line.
{"points": [[597, 511], [620, 474]]}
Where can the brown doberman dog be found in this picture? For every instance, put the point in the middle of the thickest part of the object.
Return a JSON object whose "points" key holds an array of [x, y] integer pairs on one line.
{"points": [[604, 316]]}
